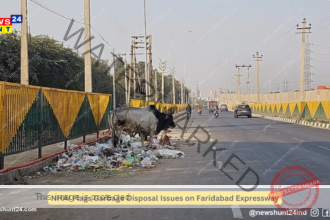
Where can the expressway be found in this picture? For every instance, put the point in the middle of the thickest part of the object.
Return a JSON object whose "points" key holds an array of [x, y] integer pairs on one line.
{"points": [[263, 145]]}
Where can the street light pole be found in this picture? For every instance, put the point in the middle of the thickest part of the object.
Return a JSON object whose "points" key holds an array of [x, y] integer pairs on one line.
{"points": [[146, 55], [24, 45], [172, 45]]}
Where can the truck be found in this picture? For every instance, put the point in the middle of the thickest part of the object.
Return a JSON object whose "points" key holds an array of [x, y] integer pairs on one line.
{"points": [[323, 87], [211, 105]]}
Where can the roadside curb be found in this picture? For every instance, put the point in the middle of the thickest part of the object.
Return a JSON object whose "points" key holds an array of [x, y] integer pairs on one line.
{"points": [[297, 121], [293, 121], [9, 174]]}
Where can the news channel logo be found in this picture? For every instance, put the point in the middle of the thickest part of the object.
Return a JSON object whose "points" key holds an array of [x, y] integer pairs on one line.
{"points": [[6, 23]]}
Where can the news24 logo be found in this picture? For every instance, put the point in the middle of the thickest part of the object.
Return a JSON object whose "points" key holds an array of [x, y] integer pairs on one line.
{"points": [[6, 23]]}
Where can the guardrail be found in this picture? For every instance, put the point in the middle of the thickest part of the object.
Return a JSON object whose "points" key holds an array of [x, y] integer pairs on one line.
{"points": [[32, 117]]}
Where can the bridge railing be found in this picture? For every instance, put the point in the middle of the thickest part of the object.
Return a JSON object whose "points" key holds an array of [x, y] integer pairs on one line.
{"points": [[318, 110], [162, 107], [32, 117]]}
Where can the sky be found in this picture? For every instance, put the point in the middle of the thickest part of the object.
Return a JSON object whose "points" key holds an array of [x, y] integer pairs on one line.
{"points": [[223, 33]]}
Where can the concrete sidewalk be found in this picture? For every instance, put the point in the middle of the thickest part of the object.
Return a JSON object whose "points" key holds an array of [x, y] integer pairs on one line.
{"points": [[28, 156]]}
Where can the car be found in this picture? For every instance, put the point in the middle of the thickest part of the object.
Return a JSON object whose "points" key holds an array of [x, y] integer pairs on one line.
{"points": [[243, 110], [224, 107]]}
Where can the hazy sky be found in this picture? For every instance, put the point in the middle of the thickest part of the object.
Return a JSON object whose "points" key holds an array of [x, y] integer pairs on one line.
{"points": [[224, 33]]}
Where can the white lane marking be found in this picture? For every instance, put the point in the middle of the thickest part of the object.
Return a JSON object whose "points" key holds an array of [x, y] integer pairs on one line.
{"points": [[277, 133], [219, 164], [176, 169], [255, 126], [236, 211], [296, 139], [324, 148]]}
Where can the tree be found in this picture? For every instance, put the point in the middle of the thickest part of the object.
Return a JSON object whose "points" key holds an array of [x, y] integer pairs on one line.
{"points": [[50, 64], [53, 65]]}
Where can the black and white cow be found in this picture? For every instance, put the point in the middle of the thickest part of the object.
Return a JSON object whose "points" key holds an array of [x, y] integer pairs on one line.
{"points": [[144, 121]]}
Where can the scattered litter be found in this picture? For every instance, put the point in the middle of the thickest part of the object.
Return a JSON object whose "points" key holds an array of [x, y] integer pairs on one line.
{"points": [[103, 156], [171, 154]]}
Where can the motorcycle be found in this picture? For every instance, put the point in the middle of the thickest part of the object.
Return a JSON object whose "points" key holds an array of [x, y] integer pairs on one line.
{"points": [[200, 111], [216, 113], [188, 115]]}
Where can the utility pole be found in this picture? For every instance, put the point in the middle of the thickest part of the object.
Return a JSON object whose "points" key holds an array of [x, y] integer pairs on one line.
{"points": [[172, 45], [125, 66], [162, 68], [126, 91], [197, 91], [238, 85], [149, 37], [302, 60], [308, 66], [181, 90], [285, 82], [270, 82], [114, 80], [226, 91], [258, 58], [87, 56], [238, 91], [135, 69], [133, 51], [248, 84], [130, 73], [146, 54], [173, 86], [248, 81], [24, 45]]}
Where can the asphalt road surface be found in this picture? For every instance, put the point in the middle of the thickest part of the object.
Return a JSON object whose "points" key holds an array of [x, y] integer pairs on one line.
{"points": [[262, 145]]}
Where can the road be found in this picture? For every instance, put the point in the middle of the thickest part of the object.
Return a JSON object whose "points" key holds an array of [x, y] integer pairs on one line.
{"points": [[260, 143], [257, 142]]}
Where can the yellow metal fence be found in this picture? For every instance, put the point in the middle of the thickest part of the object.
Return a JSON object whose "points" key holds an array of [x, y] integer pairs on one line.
{"points": [[162, 107], [316, 110], [33, 116]]}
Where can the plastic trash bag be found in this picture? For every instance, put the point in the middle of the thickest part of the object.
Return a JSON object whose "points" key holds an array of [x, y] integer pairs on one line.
{"points": [[93, 159], [146, 162], [136, 144], [171, 154]]}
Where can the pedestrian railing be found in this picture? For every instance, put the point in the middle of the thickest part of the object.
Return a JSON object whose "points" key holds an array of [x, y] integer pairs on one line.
{"points": [[162, 107], [32, 117], [319, 110]]}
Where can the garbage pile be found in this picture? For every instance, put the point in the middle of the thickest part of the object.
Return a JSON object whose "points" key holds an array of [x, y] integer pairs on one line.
{"points": [[104, 156]]}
